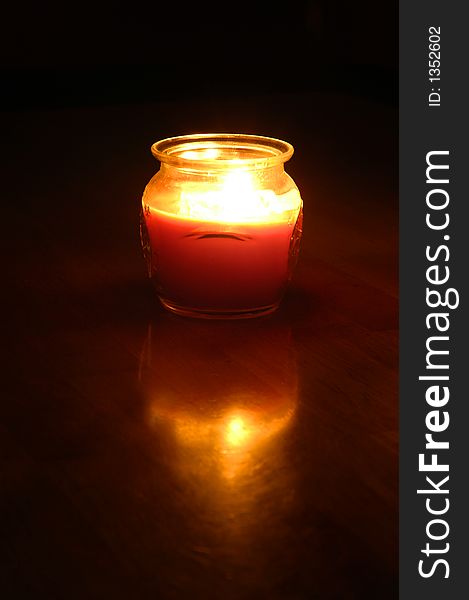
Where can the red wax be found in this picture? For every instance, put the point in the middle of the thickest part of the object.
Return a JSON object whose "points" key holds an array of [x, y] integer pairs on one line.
{"points": [[218, 267]]}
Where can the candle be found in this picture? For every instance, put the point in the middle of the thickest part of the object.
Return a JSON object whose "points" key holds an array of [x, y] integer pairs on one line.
{"points": [[220, 229]]}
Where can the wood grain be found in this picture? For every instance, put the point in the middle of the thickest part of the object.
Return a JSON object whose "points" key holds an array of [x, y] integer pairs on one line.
{"points": [[145, 455]]}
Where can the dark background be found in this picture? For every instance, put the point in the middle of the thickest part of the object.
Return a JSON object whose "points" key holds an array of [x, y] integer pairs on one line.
{"points": [[57, 54]]}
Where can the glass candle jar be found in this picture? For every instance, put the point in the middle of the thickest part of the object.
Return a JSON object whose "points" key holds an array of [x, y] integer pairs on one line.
{"points": [[221, 224]]}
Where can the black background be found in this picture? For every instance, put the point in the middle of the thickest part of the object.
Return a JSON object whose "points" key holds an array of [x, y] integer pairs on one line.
{"points": [[57, 54]]}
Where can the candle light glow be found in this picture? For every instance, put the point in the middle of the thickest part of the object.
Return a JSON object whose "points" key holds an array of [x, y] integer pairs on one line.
{"points": [[238, 200], [221, 226]]}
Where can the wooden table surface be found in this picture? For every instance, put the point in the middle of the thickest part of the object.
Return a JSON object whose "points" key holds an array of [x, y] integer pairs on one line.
{"points": [[145, 455]]}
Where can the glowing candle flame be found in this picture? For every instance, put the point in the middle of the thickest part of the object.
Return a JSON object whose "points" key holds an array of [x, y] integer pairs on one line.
{"points": [[204, 154], [236, 431], [237, 200]]}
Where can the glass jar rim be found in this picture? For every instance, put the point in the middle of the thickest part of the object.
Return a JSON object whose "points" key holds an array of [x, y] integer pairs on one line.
{"points": [[202, 151]]}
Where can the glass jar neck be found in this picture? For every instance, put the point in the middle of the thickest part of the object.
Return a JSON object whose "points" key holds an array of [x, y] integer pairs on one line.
{"points": [[197, 173], [216, 151]]}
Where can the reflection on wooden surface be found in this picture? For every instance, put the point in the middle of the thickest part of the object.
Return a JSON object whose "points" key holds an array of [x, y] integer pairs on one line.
{"points": [[147, 456], [225, 420]]}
